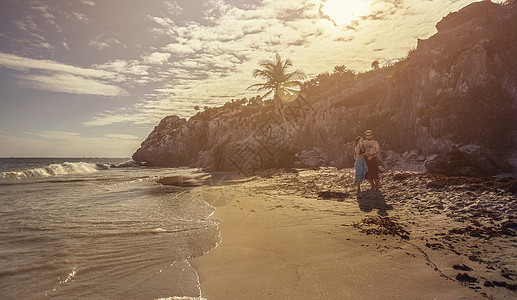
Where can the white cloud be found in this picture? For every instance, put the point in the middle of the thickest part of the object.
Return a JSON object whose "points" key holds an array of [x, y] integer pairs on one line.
{"points": [[179, 49], [57, 77], [173, 7], [49, 18], [99, 45], [69, 83], [124, 67], [26, 24], [122, 136], [45, 12], [82, 17], [157, 58], [55, 135], [87, 2], [165, 22], [44, 45], [16, 62], [101, 42]]}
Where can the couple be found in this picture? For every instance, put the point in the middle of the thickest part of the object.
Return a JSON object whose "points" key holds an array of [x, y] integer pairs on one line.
{"points": [[366, 153]]}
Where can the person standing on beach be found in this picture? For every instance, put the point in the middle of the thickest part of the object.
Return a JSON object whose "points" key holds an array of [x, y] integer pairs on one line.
{"points": [[360, 164], [373, 150]]}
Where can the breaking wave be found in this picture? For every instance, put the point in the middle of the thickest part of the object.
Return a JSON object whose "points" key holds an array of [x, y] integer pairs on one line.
{"points": [[65, 169]]}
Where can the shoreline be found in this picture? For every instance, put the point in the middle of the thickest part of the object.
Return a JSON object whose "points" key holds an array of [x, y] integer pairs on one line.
{"points": [[281, 240]]}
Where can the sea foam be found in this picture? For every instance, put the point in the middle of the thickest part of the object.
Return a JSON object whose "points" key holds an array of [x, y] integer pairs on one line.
{"points": [[56, 170]]}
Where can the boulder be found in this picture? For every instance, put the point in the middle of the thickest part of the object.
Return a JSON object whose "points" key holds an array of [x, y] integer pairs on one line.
{"points": [[466, 160], [311, 158], [483, 13]]}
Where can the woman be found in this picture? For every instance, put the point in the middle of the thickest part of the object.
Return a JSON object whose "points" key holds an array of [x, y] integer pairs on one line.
{"points": [[360, 164]]}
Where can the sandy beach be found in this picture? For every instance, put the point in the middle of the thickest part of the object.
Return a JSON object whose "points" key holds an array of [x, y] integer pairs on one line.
{"points": [[306, 234]]}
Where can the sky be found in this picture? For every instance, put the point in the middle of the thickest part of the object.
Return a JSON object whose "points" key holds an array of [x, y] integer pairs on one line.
{"points": [[91, 78]]}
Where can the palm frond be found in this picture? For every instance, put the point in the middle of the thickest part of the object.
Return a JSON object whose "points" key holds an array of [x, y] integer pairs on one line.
{"points": [[274, 73]]}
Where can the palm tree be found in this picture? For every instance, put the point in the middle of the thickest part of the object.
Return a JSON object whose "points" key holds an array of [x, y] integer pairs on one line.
{"points": [[275, 74]]}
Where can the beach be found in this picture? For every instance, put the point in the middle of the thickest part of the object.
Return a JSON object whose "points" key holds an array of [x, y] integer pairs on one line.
{"points": [[306, 234]]}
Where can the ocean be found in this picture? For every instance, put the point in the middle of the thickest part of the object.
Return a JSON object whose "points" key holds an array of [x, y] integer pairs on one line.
{"points": [[99, 229]]}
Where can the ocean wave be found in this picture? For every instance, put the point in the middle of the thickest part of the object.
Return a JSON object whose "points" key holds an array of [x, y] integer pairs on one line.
{"points": [[127, 164], [65, 168]]}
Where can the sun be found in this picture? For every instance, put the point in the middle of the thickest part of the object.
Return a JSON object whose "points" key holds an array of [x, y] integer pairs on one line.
{"points": [[343, 12]]}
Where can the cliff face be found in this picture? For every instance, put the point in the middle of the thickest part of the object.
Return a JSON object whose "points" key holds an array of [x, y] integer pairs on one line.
{"points": [[457, 90]]}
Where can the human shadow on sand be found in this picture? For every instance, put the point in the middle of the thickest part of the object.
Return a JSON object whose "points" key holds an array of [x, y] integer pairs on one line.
{"points": [[373, 199]]}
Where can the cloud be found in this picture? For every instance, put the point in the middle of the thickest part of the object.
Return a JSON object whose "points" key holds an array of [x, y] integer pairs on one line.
{"points": [[204, 59], [179, 49], [87, 2], [20, 63], [157, 58], [150, 112], [69, 83], [44, 12], [57, 77], [122, 136], [101, 42], [99, 45], [82, 17], [124, 67], [49, 18], [164, 22], [27, 24], [55, 135]]}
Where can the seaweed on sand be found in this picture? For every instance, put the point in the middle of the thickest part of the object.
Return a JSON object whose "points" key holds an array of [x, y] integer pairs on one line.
{"points": [[381, 226]]}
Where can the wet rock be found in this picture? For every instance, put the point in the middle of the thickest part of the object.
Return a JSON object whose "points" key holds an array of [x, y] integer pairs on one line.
{"points": [[509, 274], [462, 267], [493, 283], [464, 277], [466, 160]]}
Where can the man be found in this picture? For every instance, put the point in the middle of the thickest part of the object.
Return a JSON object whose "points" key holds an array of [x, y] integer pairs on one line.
{"points": [[373, 150]]}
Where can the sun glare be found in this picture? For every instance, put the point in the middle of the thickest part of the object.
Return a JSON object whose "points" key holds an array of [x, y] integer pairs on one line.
{"points": [[343, 12]]}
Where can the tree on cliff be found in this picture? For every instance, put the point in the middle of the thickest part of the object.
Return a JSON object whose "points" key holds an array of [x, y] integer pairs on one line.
{"points": [[275, 73]]}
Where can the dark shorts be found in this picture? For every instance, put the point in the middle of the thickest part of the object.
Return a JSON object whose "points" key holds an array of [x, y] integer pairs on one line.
{"points": [[373, 169]]}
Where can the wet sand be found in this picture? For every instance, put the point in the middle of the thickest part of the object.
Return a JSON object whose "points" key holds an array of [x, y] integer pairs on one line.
{"points": [[306, 234]]}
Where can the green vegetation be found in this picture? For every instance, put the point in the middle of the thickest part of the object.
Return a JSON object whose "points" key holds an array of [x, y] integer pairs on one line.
{"points": [[275, 73]]}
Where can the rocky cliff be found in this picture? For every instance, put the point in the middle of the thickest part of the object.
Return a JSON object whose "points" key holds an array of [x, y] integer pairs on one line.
{"points": [[452, 101]]}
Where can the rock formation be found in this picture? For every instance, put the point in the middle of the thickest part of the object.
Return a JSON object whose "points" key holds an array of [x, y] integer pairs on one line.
{"points": [[453, 98]]}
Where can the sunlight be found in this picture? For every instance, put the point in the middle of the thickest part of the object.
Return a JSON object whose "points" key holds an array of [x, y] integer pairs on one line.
{"points": [[288, 91], [343, 12]]}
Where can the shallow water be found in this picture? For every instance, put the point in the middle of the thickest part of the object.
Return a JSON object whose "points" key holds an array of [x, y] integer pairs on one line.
{"points": [[103, 233]]}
